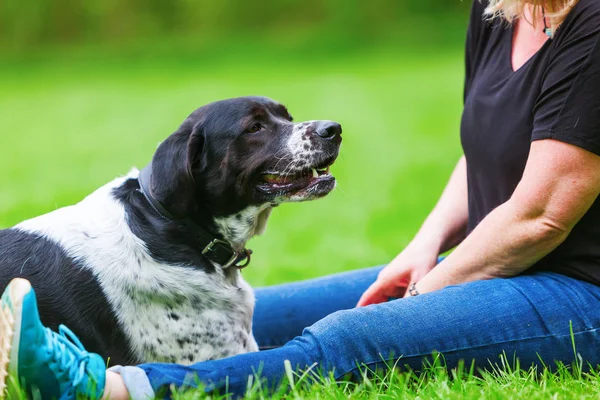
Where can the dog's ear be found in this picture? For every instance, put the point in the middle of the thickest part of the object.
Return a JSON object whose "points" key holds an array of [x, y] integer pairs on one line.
{"points": [[174, 165]]}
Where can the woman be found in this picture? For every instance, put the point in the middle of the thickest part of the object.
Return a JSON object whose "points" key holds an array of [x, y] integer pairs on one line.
{"points": [[527, 263]]}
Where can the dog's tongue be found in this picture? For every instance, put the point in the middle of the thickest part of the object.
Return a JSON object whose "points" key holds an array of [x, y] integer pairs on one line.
{"points": [[306, 175], [278, 179]]}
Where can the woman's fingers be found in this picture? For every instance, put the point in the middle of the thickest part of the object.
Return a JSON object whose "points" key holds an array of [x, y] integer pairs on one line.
{"points": [[371, 296], [380, 292], [389, 283], [396, 277]]}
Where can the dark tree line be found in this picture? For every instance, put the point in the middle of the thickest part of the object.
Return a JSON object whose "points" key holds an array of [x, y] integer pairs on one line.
{"points": [[31, 23]]}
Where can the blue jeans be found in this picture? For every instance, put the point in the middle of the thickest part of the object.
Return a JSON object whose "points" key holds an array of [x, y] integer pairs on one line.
{"points": [[314, 321]]}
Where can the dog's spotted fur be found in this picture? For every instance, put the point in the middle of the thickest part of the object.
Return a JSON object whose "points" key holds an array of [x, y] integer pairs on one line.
{"points": [[169, 313], [238, 228], [134, 286]]}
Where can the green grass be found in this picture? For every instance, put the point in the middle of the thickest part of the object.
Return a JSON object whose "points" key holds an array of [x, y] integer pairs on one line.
{"points": [[505, 381], [68, 125]]}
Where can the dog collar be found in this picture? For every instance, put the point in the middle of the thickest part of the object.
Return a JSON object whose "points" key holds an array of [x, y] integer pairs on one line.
{"points": [[216, 250]]}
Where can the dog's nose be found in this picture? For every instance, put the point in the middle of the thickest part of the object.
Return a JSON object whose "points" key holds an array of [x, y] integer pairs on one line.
{"points": [[328, 129]]}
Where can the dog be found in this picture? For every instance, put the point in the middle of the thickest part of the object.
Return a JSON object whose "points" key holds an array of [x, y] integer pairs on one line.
{"points": [[147, 268]]}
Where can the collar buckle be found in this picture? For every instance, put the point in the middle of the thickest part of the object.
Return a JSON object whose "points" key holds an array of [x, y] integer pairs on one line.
{"points": [[209, 247]]}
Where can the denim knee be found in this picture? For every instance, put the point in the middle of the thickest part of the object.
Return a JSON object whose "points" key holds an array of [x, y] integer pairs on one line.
{"points": [[334, 342]]}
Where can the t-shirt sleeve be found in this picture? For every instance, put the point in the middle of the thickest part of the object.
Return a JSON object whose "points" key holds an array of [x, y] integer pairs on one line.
{"points": [[568, 107]]}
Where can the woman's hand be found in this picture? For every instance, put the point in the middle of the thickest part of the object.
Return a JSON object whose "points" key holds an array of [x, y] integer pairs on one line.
{"points": [[444, 228], [409, 266]]}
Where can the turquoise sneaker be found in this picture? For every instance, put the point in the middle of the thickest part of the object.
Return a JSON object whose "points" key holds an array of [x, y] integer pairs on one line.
{"points": [[38, 362]]}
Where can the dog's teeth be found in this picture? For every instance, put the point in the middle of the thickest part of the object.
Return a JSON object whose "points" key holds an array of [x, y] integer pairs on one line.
{"points": [[315, 173]]}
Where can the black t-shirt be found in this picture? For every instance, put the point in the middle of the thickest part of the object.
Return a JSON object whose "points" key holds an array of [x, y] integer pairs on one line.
{"points": [[555, 95]]}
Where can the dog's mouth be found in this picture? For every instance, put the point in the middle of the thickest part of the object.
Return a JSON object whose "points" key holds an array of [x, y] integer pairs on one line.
{"points": [[301, 184], [307, 175]]}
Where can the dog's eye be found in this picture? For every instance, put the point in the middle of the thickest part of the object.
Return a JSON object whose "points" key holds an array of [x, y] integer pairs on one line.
{"points": [[255, 127]]}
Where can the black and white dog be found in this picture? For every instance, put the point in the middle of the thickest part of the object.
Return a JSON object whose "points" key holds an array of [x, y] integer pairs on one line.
{"points": [[146, 268]]}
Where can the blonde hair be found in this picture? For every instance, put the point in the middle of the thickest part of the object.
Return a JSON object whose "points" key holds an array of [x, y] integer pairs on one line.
{"points": [[555, 10]]}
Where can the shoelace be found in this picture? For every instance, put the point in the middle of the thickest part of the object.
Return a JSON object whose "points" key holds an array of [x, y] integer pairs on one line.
{"points": [[70, 354]]}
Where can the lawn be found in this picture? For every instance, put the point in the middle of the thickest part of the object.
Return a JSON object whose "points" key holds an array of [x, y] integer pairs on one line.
{"points": [[69, 124]]}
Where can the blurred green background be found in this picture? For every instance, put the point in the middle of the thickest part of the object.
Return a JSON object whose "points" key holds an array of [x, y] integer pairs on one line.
{"points": [[88, 89]]}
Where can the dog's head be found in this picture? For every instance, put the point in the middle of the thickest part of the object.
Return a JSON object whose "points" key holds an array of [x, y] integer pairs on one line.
{"points": [[239, 157]]}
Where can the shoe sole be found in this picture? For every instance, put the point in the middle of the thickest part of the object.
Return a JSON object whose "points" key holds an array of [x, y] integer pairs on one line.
{"points": [[10, 334]]}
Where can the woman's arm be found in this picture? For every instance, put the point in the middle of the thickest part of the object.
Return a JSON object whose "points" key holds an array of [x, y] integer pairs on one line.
{"points": [[446, 225], [443, 229], [560, 183]]}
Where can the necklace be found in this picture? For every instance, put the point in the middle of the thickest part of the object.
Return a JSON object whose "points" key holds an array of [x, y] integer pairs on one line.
{"points": [[549, 32]]}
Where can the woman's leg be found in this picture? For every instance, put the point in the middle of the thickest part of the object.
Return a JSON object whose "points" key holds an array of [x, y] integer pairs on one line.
{"points": [[283, 311], [527, 317], [58, 365]]}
